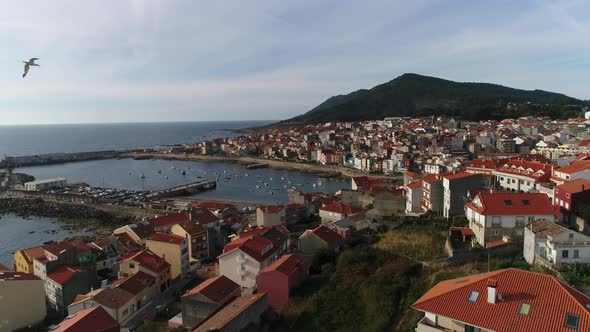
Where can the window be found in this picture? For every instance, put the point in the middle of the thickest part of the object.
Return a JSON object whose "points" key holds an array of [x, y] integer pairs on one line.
{"points": [[576, 253], [473, 296], [571, 235], [519, 221], [125, 312], [525, 308], [572, 321], [513, 181], [131, 265], [526, 202], [496, 221], [508, 202], [564, 254]]}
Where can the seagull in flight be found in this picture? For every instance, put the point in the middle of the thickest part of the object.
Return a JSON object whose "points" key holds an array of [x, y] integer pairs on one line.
{"points": [[29, 63]]}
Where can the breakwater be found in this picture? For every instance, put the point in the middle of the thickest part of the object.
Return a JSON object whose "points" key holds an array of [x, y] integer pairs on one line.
{"points": [[58, 158], [85, 216]]}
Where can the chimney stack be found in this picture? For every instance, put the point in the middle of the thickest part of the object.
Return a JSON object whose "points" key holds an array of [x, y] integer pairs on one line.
{"points": [[492, 292]]}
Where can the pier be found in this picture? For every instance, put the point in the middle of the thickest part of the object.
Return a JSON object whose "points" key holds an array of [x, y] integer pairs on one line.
{"points": [[185, 189]]}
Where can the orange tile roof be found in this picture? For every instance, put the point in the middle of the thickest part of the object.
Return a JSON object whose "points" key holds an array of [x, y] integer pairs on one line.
{"points": [[63, 273], [255, 246], [33, 252], [414, 185], [550, 301], [287, 264], [575, 186], [574, 167], [459, 175], [504, 203]]}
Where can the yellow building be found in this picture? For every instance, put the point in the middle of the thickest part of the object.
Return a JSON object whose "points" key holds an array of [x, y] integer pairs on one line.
{"points": [[173, 249], [23, 300], [23, 259]]}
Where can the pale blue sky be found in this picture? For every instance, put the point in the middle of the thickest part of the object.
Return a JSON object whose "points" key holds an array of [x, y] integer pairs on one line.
{"points": [[128, 61]]}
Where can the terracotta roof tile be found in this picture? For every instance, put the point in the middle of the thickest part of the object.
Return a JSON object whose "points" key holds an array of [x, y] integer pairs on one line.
{"points": [[91, 319], [170, 219], [287, 264], [503, 203], [148, 260], [63, 273], [136, 282], [167, 238], [550, 301]]}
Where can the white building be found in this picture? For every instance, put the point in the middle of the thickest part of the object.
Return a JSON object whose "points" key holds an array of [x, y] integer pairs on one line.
{"points": [[522, 176], [244, 258], [414, 195], [48, 184], [550, 244], [494, 216]]}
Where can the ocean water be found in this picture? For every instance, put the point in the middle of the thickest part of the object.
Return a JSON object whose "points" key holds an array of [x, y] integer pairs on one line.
{"points": [[235, 182], [19, 233], [37, 139]]}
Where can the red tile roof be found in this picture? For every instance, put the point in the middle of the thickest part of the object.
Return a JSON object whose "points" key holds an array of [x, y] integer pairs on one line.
{"points": [[550, 301], [136, 282], [325, 234], [255, 246], [574, 167], [148, 260], [216, 289], [109, 297], [171, 219], [33, 252], [490, 164], [287, 264], [202, 216], [341, 208], [57, 247], [530, 169], [91, 319], [272, 209], [503, 203], [63, 273], [463, 230], [17, 276], [167, 238], [459, 175], [575, 186], [414, 185]]}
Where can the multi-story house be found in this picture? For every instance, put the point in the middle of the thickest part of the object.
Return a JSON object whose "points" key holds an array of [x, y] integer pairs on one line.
{"points": [[552, 245], [22, 302], [278, 279], [23, 259], [522, 176], [503, 300], [173, 249], [204, 300], [567, 195], [147, 262], [142, 285], [118, 303], [63, 284], [271, 215], [414, 194], [432, 194], [455, 189], [337, 211], [498, 216], [576, 170], [198, 238], [241, 313], [244, 258]]}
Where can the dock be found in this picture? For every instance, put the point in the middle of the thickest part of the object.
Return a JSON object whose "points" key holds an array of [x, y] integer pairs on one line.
{"points": [[183, 190], [255, 166]]}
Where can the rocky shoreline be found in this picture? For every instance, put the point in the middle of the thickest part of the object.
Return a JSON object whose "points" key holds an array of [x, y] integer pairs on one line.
{"points": [[76, 217]]}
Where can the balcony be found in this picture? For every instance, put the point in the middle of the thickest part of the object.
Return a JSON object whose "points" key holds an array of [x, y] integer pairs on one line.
{"points": [[424, 326]]}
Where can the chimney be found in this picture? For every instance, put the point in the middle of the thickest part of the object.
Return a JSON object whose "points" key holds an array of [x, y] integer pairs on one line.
{"points": [[492, 285]]}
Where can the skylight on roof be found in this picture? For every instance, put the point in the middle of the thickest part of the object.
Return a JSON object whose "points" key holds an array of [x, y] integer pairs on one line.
{"points": [[461, 281], [473, 296], [508, 202], [524, 309], [572, 321], [526, 202]]}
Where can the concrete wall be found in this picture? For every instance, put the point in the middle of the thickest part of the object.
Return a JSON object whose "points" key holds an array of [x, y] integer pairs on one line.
{"points": [[22, 303]]}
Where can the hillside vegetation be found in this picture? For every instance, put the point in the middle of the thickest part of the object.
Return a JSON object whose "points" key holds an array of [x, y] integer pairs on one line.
{"points": [[417, 95]]}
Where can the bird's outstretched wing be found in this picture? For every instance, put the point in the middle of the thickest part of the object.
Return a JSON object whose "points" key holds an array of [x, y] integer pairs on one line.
{"points": [[33, 59], [26, 70]]}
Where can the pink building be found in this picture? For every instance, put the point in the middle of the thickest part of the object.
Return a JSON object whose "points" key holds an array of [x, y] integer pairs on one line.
{"points": [[278, 279]]}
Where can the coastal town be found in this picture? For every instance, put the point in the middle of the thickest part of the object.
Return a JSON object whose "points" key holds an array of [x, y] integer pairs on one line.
{"points": [[495, 214]]}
